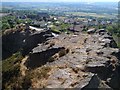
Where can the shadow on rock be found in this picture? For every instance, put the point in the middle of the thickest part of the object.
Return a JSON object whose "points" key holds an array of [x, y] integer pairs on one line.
{"points": [[41, 58]]}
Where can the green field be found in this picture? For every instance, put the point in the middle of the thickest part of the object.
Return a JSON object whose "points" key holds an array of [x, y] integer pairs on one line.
{"points": [[91, 14]]}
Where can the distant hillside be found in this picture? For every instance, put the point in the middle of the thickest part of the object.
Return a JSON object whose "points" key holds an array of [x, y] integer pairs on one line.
{"points": [[108, 7]]}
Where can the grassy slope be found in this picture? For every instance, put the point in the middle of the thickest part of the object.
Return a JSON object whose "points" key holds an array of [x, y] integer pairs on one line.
{"points": [[117, 39], [10, 69]]}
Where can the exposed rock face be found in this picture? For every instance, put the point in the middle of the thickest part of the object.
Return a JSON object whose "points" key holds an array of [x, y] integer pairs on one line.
{"points": [[12, 42], [34, 39], [78, 61], [22, 40]]}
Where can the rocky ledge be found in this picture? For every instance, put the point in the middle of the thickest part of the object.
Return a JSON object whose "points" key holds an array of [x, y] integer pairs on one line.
{"points": [[82, 60], [22, 40]]}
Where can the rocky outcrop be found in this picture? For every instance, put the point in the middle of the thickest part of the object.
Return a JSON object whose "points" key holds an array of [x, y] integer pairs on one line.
{"points": [[78, 61], [22, 40], [82, 60], [12, 42], [93, 82], [34, 39]]}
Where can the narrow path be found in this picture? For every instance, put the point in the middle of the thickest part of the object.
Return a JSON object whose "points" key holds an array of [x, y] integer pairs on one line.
{"points": [[23, 68]]}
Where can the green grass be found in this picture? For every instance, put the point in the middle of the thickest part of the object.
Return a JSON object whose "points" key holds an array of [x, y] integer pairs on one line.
{"points": [[117, 40], [61, 28], [56, 31], [118, 44], [11, 69], [9, 63], [91, 14]]}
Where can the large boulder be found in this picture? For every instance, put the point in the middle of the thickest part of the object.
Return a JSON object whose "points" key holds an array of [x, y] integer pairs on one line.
{"points": [[34, 39]]}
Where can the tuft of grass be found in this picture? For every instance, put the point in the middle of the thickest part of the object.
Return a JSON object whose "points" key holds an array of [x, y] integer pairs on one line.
{"points": [[56, 31], [63, 52], [37, 74], [51, 59], [41, 73]]}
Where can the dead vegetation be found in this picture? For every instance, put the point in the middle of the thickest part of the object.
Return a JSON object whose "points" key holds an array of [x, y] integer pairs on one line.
{"points": [[63, 52], [37, 74]]}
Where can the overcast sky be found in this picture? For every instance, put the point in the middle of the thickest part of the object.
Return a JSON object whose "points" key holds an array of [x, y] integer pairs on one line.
{"points": [[59, 0]]}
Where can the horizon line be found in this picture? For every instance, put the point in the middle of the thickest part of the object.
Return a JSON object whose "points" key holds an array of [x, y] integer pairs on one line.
{"points": [[63, 1]]}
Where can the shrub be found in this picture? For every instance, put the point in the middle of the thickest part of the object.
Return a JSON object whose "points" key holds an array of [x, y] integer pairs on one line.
{"points": [[63, 52]]}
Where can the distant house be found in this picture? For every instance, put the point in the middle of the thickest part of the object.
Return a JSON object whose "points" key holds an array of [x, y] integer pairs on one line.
{"points": [[70, 21], [43, 15], [40, 24], [39, 16], [92, 22], [103, 23], [76, 28], [109, 22], [22, 17], [43, 24], [57, 23], [85, 22]]}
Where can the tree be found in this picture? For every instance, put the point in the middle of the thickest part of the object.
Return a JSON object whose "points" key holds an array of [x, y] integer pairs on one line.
{"points": [[5, 26], [110, 29]]}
